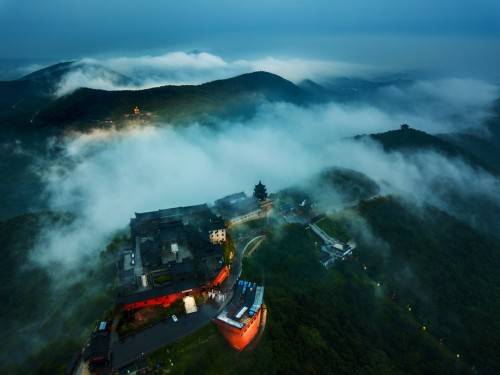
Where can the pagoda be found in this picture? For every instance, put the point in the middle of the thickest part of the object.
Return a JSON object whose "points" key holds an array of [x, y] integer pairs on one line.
{"points": [[260, 192]]}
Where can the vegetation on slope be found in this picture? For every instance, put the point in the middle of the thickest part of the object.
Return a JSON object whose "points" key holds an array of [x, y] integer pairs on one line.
{"points": [[229, 97], [421, 288], [416, 140], [320, 321], [446, 270], [45, 321], [352, 186]]}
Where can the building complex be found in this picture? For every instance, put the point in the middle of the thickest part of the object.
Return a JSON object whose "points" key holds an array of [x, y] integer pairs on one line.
{"points": [[175, 252], [177, 255]]}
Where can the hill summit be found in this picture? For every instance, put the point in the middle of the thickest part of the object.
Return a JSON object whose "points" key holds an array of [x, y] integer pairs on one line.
{"points": [[226, 97]]}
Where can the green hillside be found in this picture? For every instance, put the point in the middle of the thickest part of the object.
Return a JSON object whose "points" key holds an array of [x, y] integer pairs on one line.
{"points": [[234, 96], [485, 144], [446, 270], [430, 291], [418, 268], [340, 321], [22, 99], [410, 140], [484, 214], [42, 318]]}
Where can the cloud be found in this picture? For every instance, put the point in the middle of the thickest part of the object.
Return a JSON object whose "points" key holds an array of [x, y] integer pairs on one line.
{"points": [[440, 105], [180, 68], [296, 69], [92, 76], [106, 175]]}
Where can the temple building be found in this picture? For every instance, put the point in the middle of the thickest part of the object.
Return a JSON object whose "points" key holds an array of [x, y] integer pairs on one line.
{"points": [[175, 251], [240, 321], [239, 208]]}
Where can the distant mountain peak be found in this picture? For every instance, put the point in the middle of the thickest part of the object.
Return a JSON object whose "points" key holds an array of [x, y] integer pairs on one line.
{"points": [[52, 75], [258, 81], [54, 71], [259, 75], [407, 138]]}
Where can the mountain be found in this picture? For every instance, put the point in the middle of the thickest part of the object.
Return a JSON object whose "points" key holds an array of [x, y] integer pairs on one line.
{"points": [[50, 96], [23, 98], [424, 300], [315, 90], [364, 315], [52, 75], [493, 123], [484, 214], [485, 145], [227, 97], [481, 147], [413, 139], [343, 89], [238, 96], [36, 315], [407, 139], [445, 270]]}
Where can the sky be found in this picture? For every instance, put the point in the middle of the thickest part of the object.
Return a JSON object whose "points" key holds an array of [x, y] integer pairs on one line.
{"points": [[462, 35]]}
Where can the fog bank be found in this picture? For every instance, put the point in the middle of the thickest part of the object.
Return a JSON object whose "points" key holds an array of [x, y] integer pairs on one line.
{"points": [[106, 175]]}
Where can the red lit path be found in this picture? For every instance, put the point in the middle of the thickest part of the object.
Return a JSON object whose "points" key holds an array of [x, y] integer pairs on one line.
{"points": [[135, 347]]}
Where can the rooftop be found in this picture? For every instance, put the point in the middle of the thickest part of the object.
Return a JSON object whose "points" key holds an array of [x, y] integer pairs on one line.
{"points": [[246, 301], [172, 251], [200, 216], [232, 199], [235, 205]]}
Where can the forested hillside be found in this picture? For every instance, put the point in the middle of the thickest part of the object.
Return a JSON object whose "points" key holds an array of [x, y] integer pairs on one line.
{"points": [[42, 315], [420, 297]]}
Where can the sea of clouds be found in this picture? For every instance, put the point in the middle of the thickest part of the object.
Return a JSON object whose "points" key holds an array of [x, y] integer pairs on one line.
{"points": [[104, 176]]}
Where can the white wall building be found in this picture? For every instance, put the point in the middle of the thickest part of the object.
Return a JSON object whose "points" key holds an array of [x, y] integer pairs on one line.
{"points": [[217, 235]]}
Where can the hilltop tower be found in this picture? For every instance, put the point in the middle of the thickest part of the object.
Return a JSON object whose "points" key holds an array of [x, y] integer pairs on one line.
{"points": [[260, 192]]}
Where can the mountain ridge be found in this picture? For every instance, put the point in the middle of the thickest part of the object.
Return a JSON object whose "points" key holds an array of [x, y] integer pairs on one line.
{"points": [[217, 98], [410, 139]]}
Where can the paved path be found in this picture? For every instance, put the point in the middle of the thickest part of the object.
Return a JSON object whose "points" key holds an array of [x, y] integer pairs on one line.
{"points": [[332, 246], [134, 347], [255, 242], [323, 235], [236, 267]]}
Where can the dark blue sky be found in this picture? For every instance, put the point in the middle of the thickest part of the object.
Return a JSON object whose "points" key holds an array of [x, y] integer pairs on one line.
{"points": [[347, 29]]}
